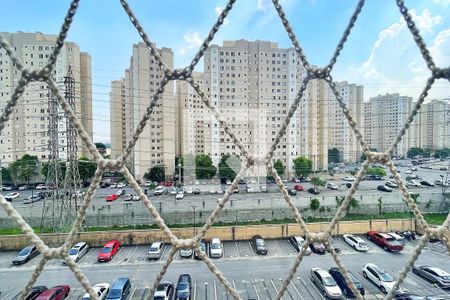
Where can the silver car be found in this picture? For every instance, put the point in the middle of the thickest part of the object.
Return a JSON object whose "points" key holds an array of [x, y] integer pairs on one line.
{"points": [[433, 274], [326, 283]]}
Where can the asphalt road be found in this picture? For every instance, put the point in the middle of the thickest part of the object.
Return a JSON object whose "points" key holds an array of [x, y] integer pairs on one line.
{"points": [[252, 275]]}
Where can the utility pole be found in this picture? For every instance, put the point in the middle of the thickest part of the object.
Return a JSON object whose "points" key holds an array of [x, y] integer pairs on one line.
{"points": [[193, 207]]}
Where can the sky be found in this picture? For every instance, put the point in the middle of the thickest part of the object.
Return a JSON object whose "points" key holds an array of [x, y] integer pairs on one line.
{"points": [[380, 53]]}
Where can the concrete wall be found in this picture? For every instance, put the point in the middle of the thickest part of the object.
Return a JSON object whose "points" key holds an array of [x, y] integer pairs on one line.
{"points": [[142, 237]]}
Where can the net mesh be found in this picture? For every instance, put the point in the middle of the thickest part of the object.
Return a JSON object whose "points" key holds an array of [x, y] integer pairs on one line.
{"points": [[249, 160]]}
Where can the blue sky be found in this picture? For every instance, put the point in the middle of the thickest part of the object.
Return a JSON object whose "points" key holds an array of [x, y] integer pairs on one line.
{"points": [[380, 53]]}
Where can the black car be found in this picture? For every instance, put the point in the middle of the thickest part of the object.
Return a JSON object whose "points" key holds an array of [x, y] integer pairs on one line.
{"points": [[384, 188], [292, 192], [35, 291], [426, 183], [202, 246], [407, 235], [196, 191], [25, 255], [164, 291], [184, 286], [317, 247], [314, 191], [259, 244], [403, 295], [345, 288]]}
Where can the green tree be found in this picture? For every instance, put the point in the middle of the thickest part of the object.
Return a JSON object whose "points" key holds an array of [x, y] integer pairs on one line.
{"points": [[364, 156], [204, 168], [376, 171], [44, 169], [101, 149], [334, 155], [317, 181], [314, 204], [279, 167], [156, 173], [6, 175], [181, 162], [25, 168], [227, 165], [302, 166], [353, 203], [415, 198], [442, 153], [86, 168]]}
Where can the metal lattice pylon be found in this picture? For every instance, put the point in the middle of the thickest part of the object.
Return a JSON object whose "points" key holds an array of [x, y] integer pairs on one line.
{"points": [[311, 72]]}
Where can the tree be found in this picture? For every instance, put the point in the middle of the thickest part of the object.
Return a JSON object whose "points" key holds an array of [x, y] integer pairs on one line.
{"points": [[44, 169], [228, 166], [334, 155], [156, 173], [181, 162], [364, 156], [25, 168], [317, 181], [302, 166], [442, 153], [376, 171], [314, 204], [101, 149], [6, 175], [204, 168], [86, 168], [353, 203], [279, 167], [415, 198]]}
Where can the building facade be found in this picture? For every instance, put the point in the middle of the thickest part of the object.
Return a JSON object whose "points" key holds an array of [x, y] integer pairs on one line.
{"points": [[434, 125], [27, 130]]}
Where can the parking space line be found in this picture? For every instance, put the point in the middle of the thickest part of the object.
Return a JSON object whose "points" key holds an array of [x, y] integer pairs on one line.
{"points": [[314, 286], [195, 290], [237, 249], [304, 285], [234, 284], [162, 253], [274, 287], [256, 291], [132, 293], [287, 288], [281, 249], [295, 288], [251, 248], [215, 290]]}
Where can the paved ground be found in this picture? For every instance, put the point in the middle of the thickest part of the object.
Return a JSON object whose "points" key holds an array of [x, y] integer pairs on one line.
{"points": [[255, 277]]}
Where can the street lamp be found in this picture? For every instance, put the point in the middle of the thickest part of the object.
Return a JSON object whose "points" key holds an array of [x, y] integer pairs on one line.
{"points": [[179, 172]]}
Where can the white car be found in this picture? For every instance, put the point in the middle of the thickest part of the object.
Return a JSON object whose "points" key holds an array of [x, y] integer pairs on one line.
{"points": [[326, 283], [101, 289], [174, 191], [391, 184], [12, 196], [113, 185], [349, 178], [355, 242], [189, 191], [250, 189], [121, 185], [186, 252], [136, 198], [413, 183], [77, 251], [215, 248], [159, 190], [408, 172], [378, 276], [332, 186], [41, 187], [213, 190], [120, 192], [179, 195]]}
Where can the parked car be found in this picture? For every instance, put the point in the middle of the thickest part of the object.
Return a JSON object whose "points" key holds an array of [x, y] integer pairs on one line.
{"points": [[58, 292], [77, 251], [189, 191], [7, 188], [11, 196], [436, 182], [443, 169], [398, 238], [326, 284], [355, 242], [202, 246], [155, 251], [426, 183], [101, 289], [128, 197], [434, 275], [179, 196], [25, 255], [391, 184], [167, 183], [34, 292], [108, 251], [197, 191], [250, 189], [299, 187], [112, 197], [384, 188], [236, 189], [292, 192], [342, 283], [213, 190], [413, 183], [186, 252], [121, 185], [332, 186], [23, 187], [41, 187], [259, 244], [297, 242], [164, 291], [313, 191], [184, 287], [120, 289], [120, 192], [317, 247], [387, 242], [159, 190], [349, 178], [135, 198], [215, 248], [408, 235], [404, 295], [32, 199], [378, 276], [346, 184]]}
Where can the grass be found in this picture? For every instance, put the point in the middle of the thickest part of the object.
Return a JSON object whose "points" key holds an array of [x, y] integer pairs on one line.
{"points": [[432, 219]]}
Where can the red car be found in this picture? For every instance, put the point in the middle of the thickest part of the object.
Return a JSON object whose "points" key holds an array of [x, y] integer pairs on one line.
{"points": [[58, 292], [298, 187], [111, 197], [384, 240], [167, 183], [108, 251]]}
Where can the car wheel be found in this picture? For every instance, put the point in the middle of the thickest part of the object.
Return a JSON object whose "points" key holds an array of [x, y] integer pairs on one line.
{"points": [[364, 274], [325, 294], [369, 237], [385, 248], [383, 289], [354, 247], [415, 271]]}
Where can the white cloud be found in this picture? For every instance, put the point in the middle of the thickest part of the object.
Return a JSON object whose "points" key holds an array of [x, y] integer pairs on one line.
{"points": [[193, 40], [262, 4], [395, 63], [442, 2]]}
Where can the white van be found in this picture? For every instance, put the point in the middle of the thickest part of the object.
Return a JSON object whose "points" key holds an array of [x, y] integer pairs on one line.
{"points": [[215, 248]]}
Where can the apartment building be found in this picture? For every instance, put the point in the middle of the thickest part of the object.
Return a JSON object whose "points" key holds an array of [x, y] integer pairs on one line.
{"points": [[434, 125], [341, 136], [384, 117], [130, 98], [27, 130]]}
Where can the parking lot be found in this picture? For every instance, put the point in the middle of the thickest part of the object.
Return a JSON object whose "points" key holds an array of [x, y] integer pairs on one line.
{"points": [[253, 276]]}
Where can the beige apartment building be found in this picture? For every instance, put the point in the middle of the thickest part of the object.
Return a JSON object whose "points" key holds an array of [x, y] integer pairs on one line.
{"points": [[27, 130], [341, 136], [434, 125], [130, 97]]}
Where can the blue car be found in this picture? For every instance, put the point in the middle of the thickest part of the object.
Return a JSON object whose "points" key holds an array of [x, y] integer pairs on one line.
{"points": [[345, 288], [184, 287]]}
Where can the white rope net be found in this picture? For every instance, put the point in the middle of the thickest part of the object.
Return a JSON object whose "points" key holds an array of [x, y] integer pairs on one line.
{"points": [[249, 160]]}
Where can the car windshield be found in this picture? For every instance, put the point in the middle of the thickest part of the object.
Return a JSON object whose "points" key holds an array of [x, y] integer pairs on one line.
{"points": [[158, 298], [183, 287], [446, 278], [202, 247], [161, 287], [153, 249], [385, 277], [329, 281], [362, 244], [106, 249], [24, 251], [260, 242], [73, 251], [215, 246], [114, 294]]}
